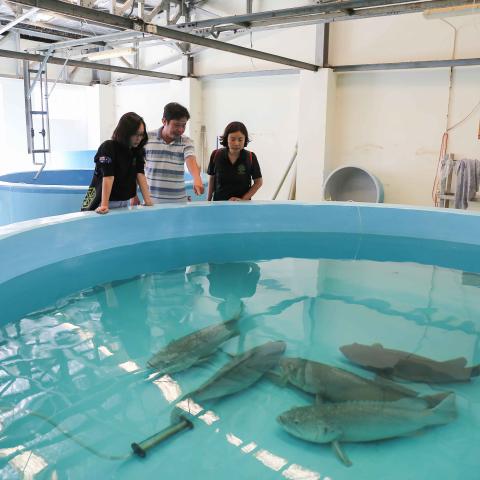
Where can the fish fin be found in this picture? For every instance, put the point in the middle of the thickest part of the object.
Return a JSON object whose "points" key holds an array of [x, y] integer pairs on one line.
{"points": [[384, 374], [395, 386], [204, 359], [276, 378], [445, 411], [228, 354], [416, 403], [434, 400], [341, 455], [459, 362], [415, 433], [475, 372]]}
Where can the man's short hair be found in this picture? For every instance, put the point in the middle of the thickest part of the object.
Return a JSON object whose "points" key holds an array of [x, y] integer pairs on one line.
{"points": [[175, 111]]}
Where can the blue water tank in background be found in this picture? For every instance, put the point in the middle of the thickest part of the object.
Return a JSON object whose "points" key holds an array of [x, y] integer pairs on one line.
{"points": [[77, 159], [54, 192]]}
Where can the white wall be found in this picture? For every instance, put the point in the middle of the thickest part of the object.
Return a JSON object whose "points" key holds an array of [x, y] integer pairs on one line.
{"points": [[74, 123], [297, 43], [269, 108], [74, 114], [147, 100], [13, 135]]}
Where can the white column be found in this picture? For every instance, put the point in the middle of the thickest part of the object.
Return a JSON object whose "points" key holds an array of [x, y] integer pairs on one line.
{"points": [[102, 115], [191, 95], [315, 128]]}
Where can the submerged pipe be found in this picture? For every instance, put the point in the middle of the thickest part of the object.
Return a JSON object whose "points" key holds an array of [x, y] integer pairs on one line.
{"points": [[143, 447]]}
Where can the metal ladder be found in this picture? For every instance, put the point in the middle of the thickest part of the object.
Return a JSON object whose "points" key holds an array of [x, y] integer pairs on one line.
{"points": [[36, 111]]}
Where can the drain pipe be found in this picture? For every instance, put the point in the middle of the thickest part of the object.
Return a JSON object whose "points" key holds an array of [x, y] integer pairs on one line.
{"points": [[287, 171]]}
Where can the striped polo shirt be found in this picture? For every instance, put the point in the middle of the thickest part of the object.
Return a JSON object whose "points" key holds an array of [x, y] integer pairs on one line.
{"points": [[165, 167]]}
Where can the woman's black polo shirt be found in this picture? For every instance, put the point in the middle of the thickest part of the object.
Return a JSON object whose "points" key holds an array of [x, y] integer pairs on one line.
{"points": [[233, 180]]}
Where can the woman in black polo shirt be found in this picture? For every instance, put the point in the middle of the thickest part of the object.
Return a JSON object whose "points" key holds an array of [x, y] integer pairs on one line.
{"points": [[119, 166], [232, 168]]}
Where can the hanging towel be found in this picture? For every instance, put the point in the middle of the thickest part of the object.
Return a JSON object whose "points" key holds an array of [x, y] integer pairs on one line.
{"points": [[468, 182]]}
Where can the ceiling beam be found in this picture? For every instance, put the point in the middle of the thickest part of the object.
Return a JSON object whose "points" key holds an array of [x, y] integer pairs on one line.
{"points": [[18, 20], [90, 65], [324, 13], [459, 62], [139, 25]]}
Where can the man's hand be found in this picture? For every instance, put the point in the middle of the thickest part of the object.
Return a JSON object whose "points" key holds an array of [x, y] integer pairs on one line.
{"points": [[198, 187]]}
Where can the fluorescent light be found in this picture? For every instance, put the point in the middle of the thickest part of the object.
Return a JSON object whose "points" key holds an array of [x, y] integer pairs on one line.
{"points": [[43, 17], [114, 53], [470, 9]]}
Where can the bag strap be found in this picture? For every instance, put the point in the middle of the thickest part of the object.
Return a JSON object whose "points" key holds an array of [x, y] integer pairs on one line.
{"points": [[216, 153]]}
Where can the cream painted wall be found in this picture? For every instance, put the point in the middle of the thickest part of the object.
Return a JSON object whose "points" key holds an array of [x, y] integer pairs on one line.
{"points": [[402, 38], [391, 124]]}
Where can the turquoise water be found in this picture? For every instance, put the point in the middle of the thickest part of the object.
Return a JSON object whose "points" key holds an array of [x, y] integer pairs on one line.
{"points": [[80, 363]]}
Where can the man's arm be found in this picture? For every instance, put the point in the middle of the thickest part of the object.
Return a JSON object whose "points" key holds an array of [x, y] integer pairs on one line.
{"points": [[142, 183], [194, 170]]}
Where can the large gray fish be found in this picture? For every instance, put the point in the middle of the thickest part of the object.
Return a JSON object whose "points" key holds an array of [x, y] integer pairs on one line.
{"points": [[184, 352], [240, 372], [396, 363], [338, 385], [364, 421]]}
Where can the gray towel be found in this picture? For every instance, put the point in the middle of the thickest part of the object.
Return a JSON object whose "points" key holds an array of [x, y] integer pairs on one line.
{"points": [[468, 182]]}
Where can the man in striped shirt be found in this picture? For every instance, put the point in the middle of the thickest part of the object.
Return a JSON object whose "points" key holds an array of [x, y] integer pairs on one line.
{"points": [[167, 152]]}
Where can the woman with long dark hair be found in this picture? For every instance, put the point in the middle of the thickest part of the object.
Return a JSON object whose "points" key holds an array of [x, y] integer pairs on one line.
{"points": [[233, 168], [119, 167]]}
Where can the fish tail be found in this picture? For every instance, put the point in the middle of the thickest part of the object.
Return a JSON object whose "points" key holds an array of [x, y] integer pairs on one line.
{"points": [[445, 411], [475, 371], [436, 399]]}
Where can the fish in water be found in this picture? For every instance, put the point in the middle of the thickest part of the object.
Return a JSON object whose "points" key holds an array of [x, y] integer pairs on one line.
{"points": [[338, 385], [408, 366], [241, 371], [191, 349], [364, 421]]}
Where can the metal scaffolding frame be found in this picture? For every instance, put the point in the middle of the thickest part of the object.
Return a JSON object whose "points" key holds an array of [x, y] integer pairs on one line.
{"points": [[139, 25], [326, 12], [89, 65]]}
